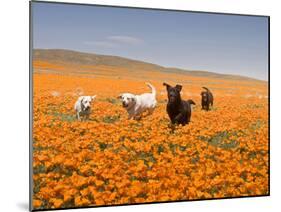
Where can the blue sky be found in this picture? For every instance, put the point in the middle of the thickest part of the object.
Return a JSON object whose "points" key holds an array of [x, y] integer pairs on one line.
{"points": [[195, 41]]}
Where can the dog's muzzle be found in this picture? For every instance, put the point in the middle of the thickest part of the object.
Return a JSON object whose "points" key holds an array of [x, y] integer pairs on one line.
{"points": [[172, 98], [86, 108], [124, 104]]}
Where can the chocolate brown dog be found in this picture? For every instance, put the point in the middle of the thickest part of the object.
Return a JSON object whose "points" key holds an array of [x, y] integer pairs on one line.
{"points": [[207, 99], [178, 110]]}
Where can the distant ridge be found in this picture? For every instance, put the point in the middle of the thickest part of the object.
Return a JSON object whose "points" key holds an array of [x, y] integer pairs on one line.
{"points": [[76, 57]]}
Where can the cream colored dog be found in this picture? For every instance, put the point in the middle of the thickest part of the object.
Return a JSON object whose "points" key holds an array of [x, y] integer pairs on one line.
{"points": [[137, 104], [83, 107]]}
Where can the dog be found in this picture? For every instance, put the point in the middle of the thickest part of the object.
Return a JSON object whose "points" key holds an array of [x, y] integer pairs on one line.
{"points": [[137, 104], [83, 107], [179, 111], [207, 99]]}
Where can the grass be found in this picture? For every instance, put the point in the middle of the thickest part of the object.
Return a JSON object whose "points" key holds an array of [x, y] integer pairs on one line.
{"points": [[39, 169], [112, 100], [61, 169], [195, 159], [253, 106], [102, 146], [146, 157], [213, 190], [61, 116], [39, 148], [257, 125], [111, 119], [37, 184], [221, 140], [160, 149]]}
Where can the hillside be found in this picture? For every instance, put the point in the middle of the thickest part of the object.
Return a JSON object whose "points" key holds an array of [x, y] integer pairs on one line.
{"points": [[62, 56]]}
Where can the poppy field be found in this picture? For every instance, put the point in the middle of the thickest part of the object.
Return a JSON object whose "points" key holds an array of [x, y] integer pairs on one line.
{"points": [[110, 160]]}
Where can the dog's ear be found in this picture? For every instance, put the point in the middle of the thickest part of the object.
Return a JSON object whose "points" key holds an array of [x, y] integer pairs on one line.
{"points": [[93, 97], [80, 98], [119, 97], [133, 99], [167, 85], [178, 87]]}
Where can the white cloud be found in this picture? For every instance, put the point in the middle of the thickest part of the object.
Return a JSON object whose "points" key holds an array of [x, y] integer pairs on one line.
{"points": [[125, 39], [115, 41]]}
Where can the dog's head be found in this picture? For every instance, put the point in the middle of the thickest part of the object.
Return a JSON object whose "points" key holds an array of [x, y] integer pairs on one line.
{"points": [[173, 92], [204, 96], [128, 100], [86, 101]]}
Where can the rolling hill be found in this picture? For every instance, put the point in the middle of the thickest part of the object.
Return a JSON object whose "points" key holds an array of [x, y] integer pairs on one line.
{"points": [[63, 56]]}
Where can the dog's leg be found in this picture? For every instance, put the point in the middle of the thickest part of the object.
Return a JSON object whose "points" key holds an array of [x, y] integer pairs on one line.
{"points": [[178, 118], [172, 127], [188, 119], [130, 116], [78, 116], [137, 117]]}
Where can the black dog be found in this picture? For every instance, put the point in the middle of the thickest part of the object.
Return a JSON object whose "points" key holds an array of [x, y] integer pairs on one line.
{"points": [[207, 99], [178, 110]]}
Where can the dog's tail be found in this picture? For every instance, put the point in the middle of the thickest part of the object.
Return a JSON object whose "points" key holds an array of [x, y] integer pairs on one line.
{"points": [[207, 89], [153, 90], [191, 102]]}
